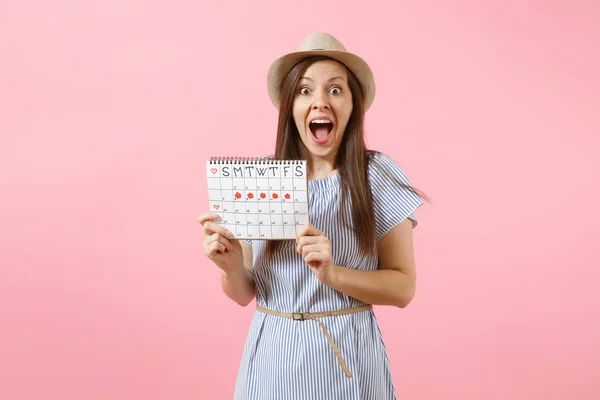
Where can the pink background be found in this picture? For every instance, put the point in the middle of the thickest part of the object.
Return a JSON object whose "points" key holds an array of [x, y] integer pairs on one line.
{"points": [[108, 111]]}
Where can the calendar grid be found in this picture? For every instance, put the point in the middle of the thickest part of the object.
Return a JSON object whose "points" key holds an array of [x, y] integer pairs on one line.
{"points": [[223, 210], [255, 230], [294, 197], [271, 211], [281, 225], [249, 194]]}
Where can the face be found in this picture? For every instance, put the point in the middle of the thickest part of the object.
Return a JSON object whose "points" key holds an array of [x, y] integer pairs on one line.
{"points": [[322, 108]]}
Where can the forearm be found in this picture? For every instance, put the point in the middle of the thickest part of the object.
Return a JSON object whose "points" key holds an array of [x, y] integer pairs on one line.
{"points": [[239, 286], [380, 287]]}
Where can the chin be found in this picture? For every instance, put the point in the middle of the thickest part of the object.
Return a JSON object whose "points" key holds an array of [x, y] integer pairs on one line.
{"points": [[321, 151]]}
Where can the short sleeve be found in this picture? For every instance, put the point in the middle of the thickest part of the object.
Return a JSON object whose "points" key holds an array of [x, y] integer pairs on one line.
{"points": [[392, 202]]}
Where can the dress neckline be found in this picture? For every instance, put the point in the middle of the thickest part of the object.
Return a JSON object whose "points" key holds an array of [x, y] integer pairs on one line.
{"points": [[328, 183]]}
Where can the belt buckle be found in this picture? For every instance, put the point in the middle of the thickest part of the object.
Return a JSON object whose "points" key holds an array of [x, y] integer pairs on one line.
{"points": [[298, 316]]}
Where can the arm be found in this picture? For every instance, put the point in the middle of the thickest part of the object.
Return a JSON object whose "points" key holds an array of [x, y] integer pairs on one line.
{"points": [[238, 283], [394, 283]]}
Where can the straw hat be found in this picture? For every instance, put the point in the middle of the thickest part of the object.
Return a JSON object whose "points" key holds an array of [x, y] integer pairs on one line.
{"points": [[321, 44]]}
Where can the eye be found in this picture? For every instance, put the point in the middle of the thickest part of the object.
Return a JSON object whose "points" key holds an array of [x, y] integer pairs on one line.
{"points": [[304, 90], [335, 90]]}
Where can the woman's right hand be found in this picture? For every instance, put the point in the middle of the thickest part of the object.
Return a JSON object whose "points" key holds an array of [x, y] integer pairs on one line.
{"points": [[220, 246]]}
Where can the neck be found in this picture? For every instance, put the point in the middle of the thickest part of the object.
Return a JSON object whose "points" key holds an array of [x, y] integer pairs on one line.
{"points": [[320, 168]]}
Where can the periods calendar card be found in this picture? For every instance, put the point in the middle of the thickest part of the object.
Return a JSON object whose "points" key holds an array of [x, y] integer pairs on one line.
{"points": [[258, 198]]}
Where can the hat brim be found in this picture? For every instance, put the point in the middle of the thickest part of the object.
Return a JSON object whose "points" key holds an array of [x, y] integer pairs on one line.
{"points": [[282, 65]]}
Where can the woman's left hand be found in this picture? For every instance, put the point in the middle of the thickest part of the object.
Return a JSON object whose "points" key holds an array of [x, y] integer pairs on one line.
{"points": [[315, 249]]}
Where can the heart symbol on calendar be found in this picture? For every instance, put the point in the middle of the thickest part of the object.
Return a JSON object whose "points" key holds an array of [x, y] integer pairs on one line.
{"points": [[213, 170], [216, 206]]}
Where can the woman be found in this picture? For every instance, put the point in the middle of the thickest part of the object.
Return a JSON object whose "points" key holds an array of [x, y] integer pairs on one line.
{"points": [[314, 335]]}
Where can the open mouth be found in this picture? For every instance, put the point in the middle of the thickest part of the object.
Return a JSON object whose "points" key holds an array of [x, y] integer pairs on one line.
{"points": [[321, 130]]}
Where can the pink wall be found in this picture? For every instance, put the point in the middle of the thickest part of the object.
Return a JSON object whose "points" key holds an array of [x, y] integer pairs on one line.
{"points": [[108, 111]]}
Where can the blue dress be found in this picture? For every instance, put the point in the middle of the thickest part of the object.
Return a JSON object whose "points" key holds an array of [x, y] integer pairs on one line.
{"points": [[284, 359]]}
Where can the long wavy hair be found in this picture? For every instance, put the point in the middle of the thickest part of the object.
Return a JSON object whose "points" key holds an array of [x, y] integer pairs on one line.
{"points": [[352, 158]]}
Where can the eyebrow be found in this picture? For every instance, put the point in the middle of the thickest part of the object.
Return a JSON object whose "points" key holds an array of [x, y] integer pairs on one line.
{"points": [[330, 79]]}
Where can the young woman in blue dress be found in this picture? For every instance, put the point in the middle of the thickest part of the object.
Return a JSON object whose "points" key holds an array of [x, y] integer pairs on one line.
{"points": [[356, 252]]}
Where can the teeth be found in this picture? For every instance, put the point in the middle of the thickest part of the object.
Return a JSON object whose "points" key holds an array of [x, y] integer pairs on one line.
{"points": [[321, 121]]}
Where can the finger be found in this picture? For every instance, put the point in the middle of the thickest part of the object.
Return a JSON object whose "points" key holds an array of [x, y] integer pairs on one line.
{"points": [[219, 238], [211, 228], [311, 230], [308, 230], [301, 234], [215, 248], [308, 240], [316, 248], [209, 216], [304, 250], [313, 257]]}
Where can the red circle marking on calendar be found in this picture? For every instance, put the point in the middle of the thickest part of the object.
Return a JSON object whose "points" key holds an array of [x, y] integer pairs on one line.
{"points": [[287, 196], [262, 195], [250, 196], [238, 195], [275, 195]]}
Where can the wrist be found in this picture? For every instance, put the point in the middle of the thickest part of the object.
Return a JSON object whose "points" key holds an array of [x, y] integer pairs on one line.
{"points": [[334, 275]]}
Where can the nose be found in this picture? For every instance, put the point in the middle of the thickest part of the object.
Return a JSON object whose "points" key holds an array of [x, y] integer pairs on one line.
{"points": [[320, 100]]}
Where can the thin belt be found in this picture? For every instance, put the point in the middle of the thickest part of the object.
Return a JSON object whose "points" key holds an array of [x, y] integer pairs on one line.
{"points": [[314, 316]]}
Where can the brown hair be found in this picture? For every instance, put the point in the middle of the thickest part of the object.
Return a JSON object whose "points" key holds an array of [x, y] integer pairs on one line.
{"points": [[352, 158]]}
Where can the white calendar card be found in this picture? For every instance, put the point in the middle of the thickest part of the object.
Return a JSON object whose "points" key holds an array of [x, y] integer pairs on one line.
{"points": [[258, 198]]}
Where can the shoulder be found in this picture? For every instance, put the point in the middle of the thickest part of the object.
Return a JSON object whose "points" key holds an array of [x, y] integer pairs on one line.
{"points": [[383, 170], [394, 197], [378, 159]]}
